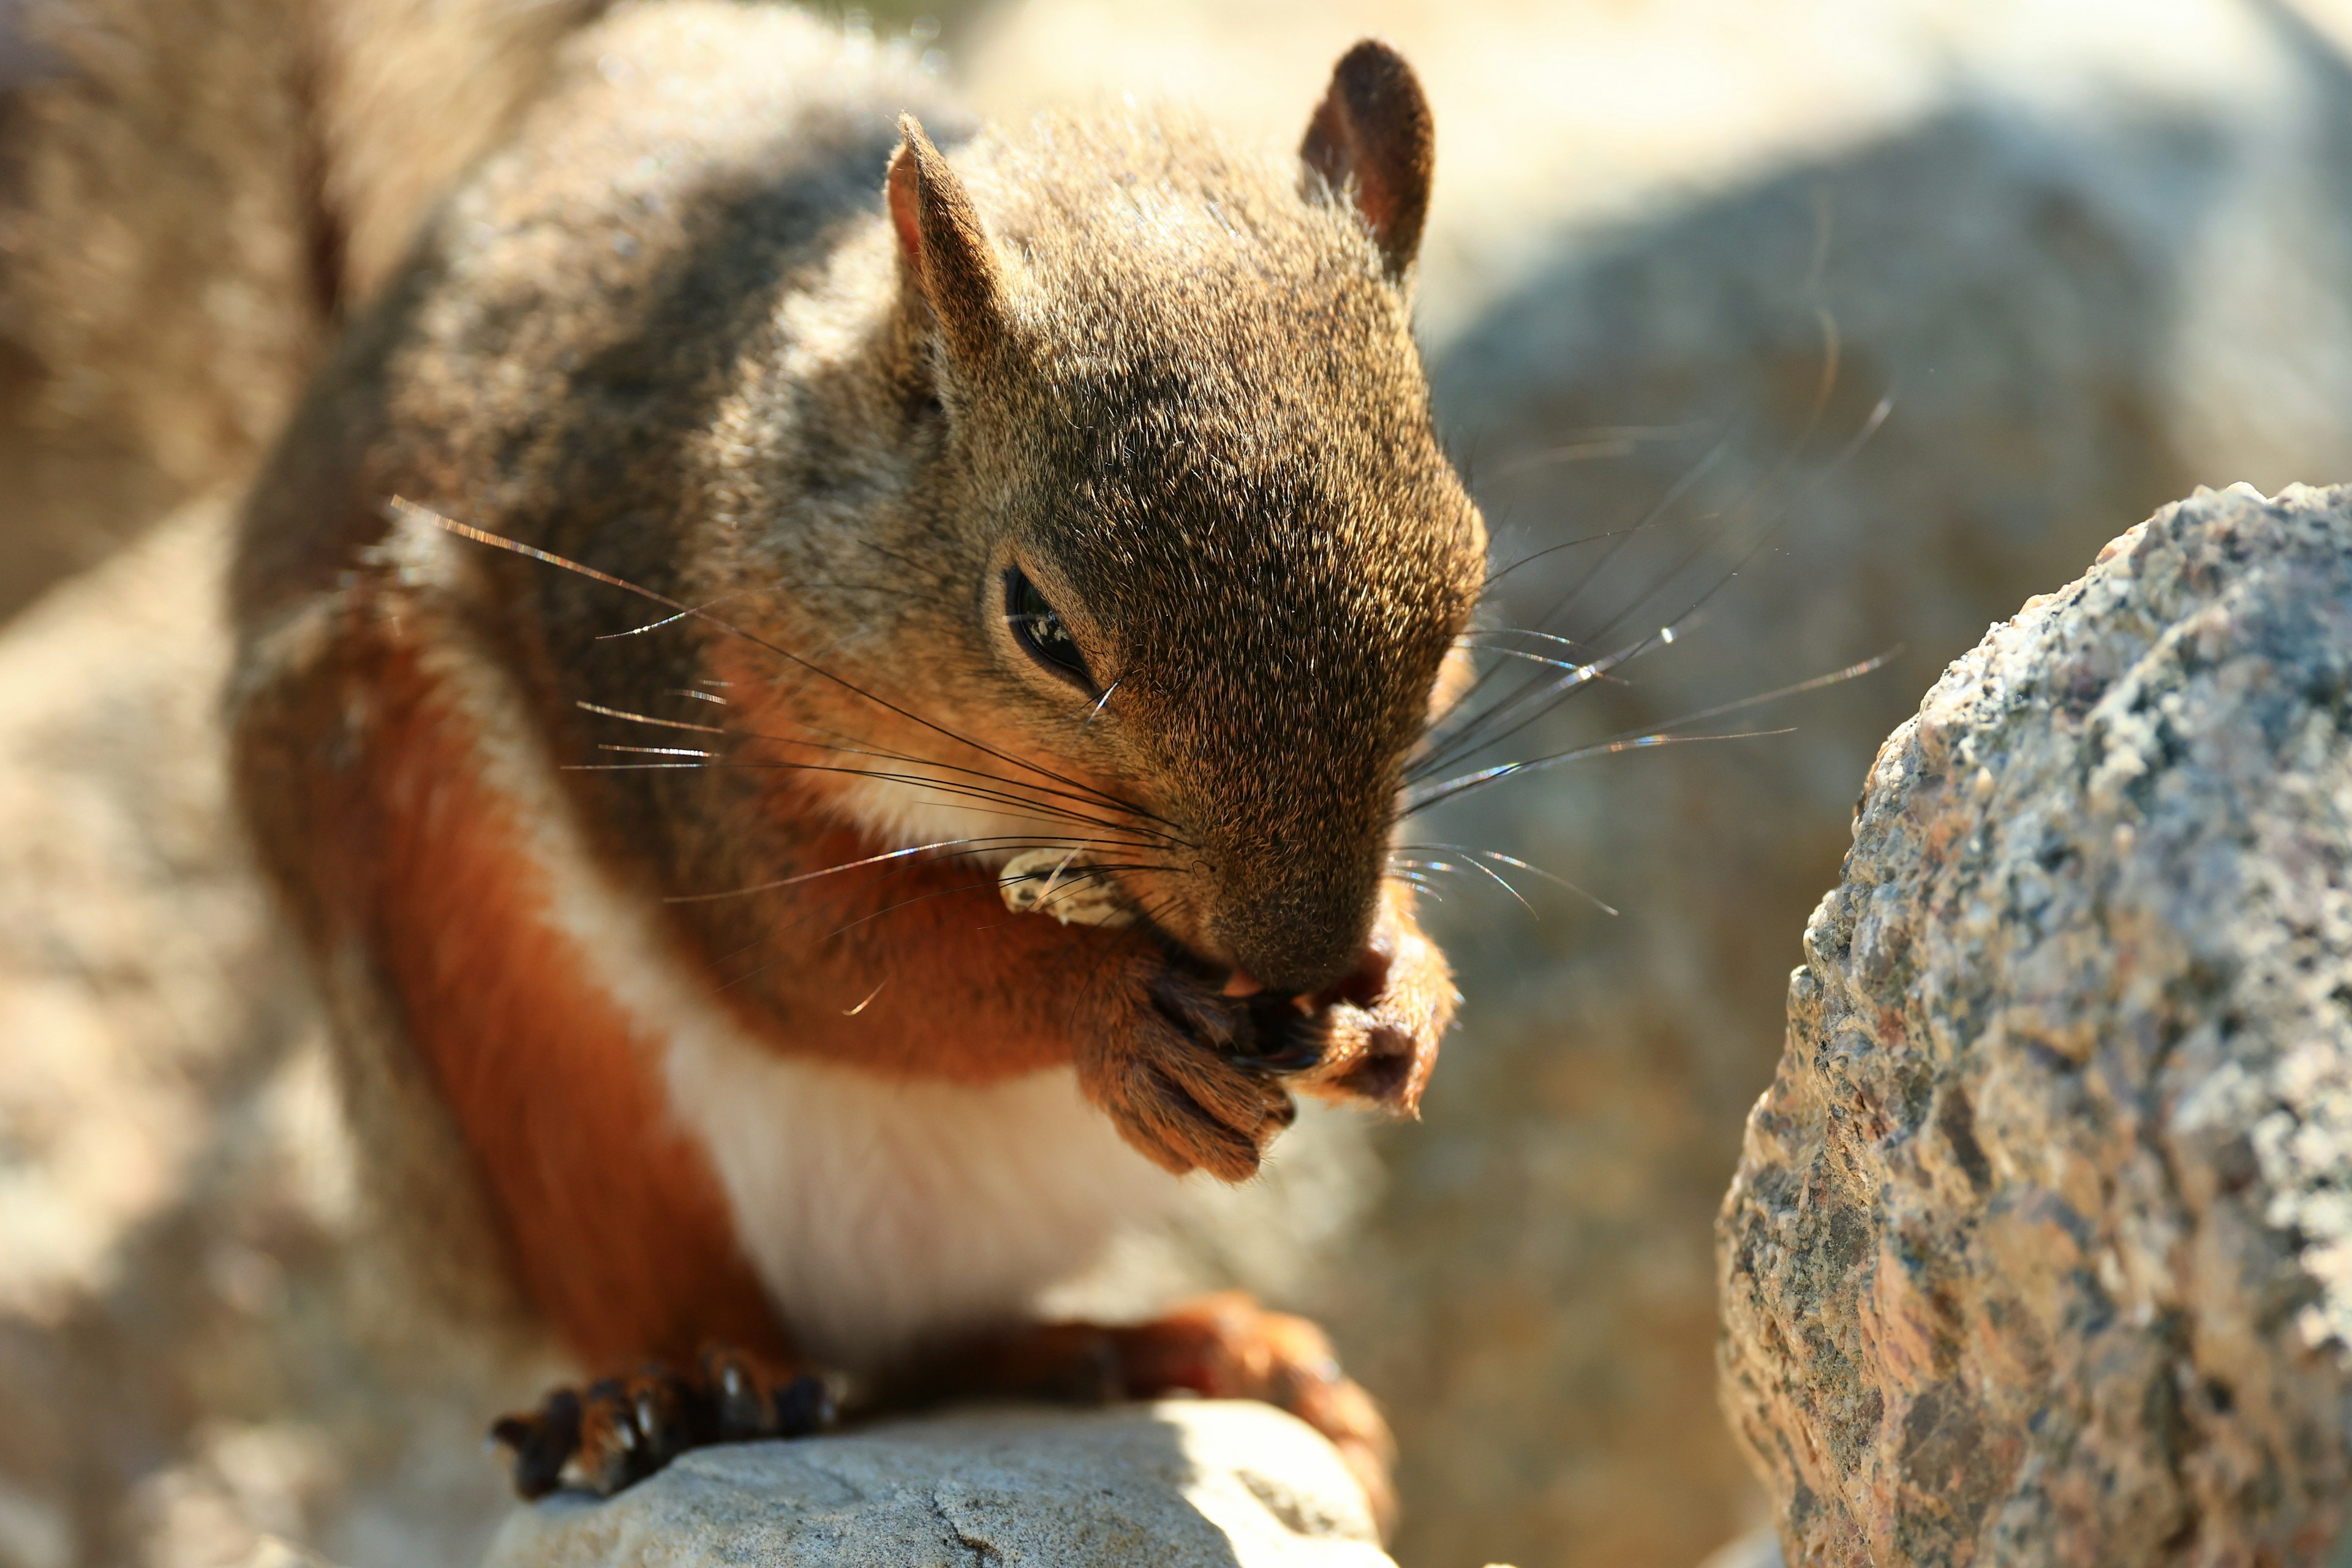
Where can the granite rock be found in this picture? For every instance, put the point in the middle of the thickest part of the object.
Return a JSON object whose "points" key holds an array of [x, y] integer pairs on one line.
{"points": [[1182, 1484], [2039, 1250]]}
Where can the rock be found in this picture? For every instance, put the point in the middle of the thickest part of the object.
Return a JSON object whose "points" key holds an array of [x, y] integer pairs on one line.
{"points": [[2040, 1249], [1182, 1484]]}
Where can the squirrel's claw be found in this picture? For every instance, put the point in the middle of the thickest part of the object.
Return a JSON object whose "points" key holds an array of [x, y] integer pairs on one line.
{"points": [[543, 1442], [619, 1430]]}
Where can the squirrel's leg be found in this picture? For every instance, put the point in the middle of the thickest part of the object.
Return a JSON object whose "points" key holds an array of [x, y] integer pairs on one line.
{"points": [[618, 1430], [1223, 1346]]}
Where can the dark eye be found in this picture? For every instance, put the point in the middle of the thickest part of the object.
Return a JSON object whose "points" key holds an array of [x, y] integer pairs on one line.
{"points": [[1038, 627]]}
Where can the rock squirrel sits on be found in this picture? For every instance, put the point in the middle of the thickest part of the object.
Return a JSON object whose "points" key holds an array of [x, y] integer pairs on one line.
{"points": [[1074, 497]]}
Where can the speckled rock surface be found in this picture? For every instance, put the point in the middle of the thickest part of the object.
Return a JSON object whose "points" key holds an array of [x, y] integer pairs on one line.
{"points": [[2041, 1246], [1187, 1484]]}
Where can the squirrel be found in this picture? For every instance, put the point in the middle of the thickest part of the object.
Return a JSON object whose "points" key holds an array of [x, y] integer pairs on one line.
{"points": [[749, 569]]}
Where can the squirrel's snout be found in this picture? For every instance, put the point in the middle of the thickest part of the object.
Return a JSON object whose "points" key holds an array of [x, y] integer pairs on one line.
{"points": [[1359, 986], [1294, 948]]}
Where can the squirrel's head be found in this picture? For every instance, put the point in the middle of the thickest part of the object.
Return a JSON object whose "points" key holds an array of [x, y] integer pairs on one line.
{"points": [[1180, 441]]}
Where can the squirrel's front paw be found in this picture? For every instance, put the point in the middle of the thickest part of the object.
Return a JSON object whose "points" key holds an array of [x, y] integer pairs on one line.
{"points": [[619, 1430], [1377, 1031], [1168, 1063]]}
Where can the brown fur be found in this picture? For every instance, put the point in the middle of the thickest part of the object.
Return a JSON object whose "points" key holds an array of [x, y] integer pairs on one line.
{"points": [[699, 341], [610, 1219]]}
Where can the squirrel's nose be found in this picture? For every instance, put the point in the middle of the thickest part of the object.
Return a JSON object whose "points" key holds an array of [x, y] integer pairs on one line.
{"points": [[1295, 949]]}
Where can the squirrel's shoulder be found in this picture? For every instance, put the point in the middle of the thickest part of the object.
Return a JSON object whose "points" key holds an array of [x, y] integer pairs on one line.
{"points": [[580, 298]]}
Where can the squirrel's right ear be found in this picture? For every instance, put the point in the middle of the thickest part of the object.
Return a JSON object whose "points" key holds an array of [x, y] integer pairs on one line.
{"points": [[1372, 137], [942, 249]]}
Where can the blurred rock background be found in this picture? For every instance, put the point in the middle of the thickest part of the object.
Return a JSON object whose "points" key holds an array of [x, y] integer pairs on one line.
{"points": [[2095, 254]]}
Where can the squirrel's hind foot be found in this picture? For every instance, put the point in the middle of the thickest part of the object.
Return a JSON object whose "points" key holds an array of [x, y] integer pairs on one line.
{"points": [[618, 1430], [1223, 1346], [1226, 1346]]}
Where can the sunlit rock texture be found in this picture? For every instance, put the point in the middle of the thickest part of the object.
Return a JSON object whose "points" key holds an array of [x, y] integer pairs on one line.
{"points": [[1191, 1484], [2041, 1246]]}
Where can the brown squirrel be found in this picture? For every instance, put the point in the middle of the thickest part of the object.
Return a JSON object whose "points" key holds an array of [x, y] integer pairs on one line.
{"points": [[1066, 512]]}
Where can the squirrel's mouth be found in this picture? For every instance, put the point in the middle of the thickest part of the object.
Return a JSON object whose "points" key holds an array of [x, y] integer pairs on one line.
{"points": [[1304, 1035], [1273, 1031]]}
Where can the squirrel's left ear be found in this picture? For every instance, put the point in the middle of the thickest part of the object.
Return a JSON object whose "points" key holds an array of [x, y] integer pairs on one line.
{"points": [[943, 251], [1372, 137]]}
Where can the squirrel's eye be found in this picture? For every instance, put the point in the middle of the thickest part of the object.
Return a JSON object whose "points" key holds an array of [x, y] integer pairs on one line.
{"points": [[1037, 626]]}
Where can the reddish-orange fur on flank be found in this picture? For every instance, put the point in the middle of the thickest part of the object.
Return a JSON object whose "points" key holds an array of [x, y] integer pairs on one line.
{"points": [[954, 953], [615, 1224], [921, 940]]}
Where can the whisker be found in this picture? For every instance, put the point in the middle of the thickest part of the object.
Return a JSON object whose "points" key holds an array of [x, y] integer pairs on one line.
{"points": [[958, 846], [1832, 356], [1667, 633], [780, 740], [1665, 505], [1011, 805], [1458, 870], [783, 741], [682, 614], [1878, 416], [1476, 864], [599, 707], [1623, 537], [1459, 747], [758, 969], [861, 751], [962, 887], [1578, 542], [408, 508], [1611, 441], [1606, 909], [1514, 861], [1536, 657], [1523, 632], [1101, 702], [1651, 739]]}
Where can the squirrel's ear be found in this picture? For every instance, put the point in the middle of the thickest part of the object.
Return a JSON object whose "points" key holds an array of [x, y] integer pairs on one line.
{"points": [[942, 248], [1372, 137]]}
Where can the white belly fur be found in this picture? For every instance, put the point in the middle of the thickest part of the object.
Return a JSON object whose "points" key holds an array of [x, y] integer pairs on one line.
{"points": [[880, 1213], [877, 1212]]}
